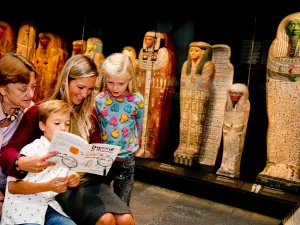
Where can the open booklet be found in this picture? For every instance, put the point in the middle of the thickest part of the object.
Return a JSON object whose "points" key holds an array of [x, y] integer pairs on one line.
{"points": [[79, 156]]}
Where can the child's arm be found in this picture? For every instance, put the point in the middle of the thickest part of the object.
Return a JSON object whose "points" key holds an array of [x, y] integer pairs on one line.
{"points": [[58, 185], [139, 115], [73, 179]]}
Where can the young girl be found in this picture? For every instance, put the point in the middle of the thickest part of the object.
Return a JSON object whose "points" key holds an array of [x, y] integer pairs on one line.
{"points": [[121, 109]]}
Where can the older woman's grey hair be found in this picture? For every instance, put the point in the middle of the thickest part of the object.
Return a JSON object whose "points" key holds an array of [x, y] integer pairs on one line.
{"points": [[14, 68]]}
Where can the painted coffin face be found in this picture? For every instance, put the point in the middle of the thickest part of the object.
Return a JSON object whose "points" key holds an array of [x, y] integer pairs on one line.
{"points": [[2, 32], [293, 28], [195, 52], [235, 96], [77, 48], [44, 41], [90, 46], [149, 41]]}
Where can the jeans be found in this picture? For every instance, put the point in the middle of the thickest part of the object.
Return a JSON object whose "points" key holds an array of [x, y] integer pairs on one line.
{"points": [[54, 218], [122, 175]]}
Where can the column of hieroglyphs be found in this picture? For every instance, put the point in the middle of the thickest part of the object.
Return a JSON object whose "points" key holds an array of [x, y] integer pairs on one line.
{"points": [[215, 116]]}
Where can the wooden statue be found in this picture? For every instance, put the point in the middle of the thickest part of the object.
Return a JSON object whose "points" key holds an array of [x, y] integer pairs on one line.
{"points": [[49, 60], [156, 76], [197, 77], [94, 48], [79, 47], [63, 44], [130, 51], [234, 130], [26, 45], [283, 104], [212, 133], [7, 38]]}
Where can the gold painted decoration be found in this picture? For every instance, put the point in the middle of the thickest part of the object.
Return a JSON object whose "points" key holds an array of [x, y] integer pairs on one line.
{"points": [[49, 60], [26, 45], [7, 38], [156, 77]]}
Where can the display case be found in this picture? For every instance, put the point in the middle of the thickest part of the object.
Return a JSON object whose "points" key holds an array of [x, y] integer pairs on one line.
{"points": [[245, 40]]}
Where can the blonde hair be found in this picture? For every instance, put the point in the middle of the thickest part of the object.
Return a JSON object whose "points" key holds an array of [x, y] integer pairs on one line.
{"points": [[119, 64], [77, 66], [52, 106]]}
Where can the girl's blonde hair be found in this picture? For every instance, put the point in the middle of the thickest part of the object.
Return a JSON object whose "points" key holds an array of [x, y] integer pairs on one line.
{"points": [[77, 66], [119, 64]]}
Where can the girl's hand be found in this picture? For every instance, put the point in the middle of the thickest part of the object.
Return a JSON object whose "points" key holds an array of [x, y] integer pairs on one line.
{"points": [[73, 180], [58, 184], [35, 164]]}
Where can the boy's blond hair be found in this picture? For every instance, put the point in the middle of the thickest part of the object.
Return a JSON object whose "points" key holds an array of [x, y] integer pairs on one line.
{"points": [[53, 106]]}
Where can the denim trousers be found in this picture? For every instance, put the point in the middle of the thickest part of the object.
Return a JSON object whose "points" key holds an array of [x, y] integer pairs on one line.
{"points": [[122, 175], [54, 218]]}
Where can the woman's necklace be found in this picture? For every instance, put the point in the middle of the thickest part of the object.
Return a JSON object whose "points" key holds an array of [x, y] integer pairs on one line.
{"points": [[12, 117]]}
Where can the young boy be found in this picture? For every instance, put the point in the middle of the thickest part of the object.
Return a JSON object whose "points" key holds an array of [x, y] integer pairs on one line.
{"points": [[31, 200]]}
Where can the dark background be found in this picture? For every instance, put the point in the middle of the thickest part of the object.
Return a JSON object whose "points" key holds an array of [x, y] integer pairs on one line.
{"points": [[230, 28]]}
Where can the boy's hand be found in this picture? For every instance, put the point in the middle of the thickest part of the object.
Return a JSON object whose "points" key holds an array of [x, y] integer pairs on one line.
{"points": [[58, 184], [73, 180]]}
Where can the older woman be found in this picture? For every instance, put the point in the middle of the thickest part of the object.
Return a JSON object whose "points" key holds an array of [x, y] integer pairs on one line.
{"points": [[92, 202], [17, 84]]}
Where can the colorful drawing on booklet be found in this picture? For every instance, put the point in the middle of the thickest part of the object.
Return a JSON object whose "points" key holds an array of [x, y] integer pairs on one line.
{"points": [[74, 150], [105, 161], [69, 161]]}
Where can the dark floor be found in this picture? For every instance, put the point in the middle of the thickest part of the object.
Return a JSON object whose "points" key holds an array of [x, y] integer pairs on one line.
{"points": [[154, 205]]}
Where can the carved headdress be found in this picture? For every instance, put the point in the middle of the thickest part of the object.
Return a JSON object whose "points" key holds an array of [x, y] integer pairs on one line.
{"points": [[241, 88], [8, 40], [282, 39], [81, 43], [207, 56], [158, 36]]}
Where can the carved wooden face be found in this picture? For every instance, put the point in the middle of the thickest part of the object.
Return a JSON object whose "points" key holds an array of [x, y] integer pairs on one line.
{"points": [[235, 96]]}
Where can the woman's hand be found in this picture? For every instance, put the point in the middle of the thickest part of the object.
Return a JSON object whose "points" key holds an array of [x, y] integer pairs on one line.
{"points": [[73, 180], [35, 164]]}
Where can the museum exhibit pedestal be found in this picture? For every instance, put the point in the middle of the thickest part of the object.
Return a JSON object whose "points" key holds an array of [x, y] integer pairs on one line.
{"points": [[204, 183], [290, 187]]}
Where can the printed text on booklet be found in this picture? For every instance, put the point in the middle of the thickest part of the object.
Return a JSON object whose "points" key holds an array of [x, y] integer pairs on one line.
{"points": [[76, 154]]}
